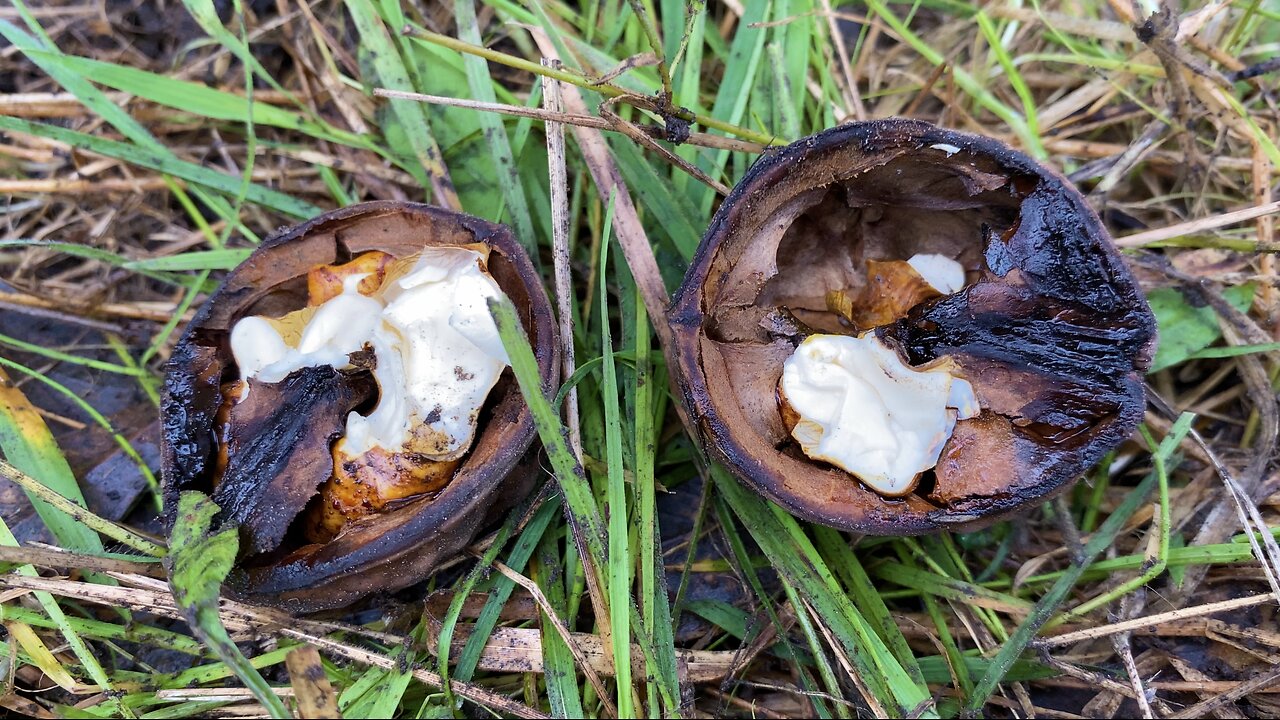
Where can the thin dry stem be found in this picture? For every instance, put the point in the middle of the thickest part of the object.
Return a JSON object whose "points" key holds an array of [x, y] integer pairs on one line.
{"points": [[1193, 227], [559, 178], [592, 676], [1151, 621]]}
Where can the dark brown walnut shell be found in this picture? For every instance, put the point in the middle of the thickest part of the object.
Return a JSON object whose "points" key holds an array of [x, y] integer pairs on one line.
{"points": [[1051, 329], [291, 426]]}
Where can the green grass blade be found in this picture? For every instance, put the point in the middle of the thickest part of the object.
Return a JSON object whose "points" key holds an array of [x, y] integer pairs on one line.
{"points": [[559, 673], [968, 83], [948, 587], [674, 216], [389, 70], [790, 551], [1019, 85], [796, 39], [57, 616], [501, 591], [167, 164], [224, 259], [381, 696], [100, 630], [653, 585], [619, 570], [202, 100], [866, 596], [825, 671], [579, 500], [1101, 540], [495, 133], [744, 567], [98, 418], [93, 253], [730, 106]]}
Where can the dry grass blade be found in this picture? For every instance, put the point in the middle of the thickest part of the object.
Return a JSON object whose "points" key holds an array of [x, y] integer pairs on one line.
{"points": [[627, 226], [1154, 621], [867, 696], [1192, 227], [633, 132], [77, 513], [311, 686], [1260, 683], [520, 650], [559, 179], [242, 618], [57, 558], [592, 676]]}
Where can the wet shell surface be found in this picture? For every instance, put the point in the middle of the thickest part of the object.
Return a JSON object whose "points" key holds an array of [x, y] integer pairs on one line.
{"points": [[1049, 328], [267, 475]]}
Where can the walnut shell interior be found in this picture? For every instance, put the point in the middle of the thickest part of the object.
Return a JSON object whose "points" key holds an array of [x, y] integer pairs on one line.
{"points": [[391, 549], [1050, 329]]}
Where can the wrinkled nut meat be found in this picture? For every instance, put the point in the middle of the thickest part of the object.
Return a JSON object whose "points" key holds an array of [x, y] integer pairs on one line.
{"points": [[344, 398], [893, 328]]}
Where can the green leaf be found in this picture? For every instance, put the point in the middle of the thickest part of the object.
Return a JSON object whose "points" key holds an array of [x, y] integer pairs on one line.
{"points": [[198, 562], [1186, 329], [30, 447]]}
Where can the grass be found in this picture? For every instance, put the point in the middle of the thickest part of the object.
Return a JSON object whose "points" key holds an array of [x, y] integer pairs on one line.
{"points": [[208, 141]]}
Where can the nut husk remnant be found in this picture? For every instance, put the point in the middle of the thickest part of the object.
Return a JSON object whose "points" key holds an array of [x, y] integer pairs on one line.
{"points": [[281, 454], [1050, 329]]}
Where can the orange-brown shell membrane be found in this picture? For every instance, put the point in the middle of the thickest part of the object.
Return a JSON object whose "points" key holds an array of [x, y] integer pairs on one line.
{"points": [[325, 282]]}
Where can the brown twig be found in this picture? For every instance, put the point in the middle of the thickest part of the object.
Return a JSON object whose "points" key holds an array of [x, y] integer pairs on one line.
{"points": [[582, 119], [44, 557], [1262, 682]]}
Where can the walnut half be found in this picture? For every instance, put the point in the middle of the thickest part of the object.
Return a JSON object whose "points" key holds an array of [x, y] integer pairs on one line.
{"points": [[303, 394], [1048, 327]]}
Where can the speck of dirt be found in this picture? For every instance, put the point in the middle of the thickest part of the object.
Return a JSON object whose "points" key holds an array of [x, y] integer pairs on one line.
{"points": [[433, 417]]}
